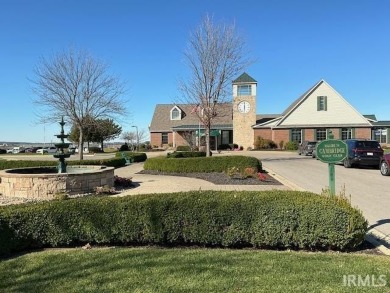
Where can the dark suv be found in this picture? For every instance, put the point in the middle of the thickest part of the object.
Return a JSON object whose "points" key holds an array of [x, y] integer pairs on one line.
{"points": [[363, 152], [306, 147]]}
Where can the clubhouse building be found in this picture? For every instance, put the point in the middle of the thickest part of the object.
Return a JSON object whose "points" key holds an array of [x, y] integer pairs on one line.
{"points": [[310, 117]]}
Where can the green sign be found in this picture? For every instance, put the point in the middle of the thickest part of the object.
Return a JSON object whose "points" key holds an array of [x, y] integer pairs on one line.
{"points": [[331, 151]]}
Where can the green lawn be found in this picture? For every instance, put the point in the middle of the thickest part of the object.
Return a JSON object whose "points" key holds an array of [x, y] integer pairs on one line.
{"points": [[189, 270]]}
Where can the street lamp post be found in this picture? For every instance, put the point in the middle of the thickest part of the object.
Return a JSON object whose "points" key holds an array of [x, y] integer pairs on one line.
{"points": [[136, 128]]}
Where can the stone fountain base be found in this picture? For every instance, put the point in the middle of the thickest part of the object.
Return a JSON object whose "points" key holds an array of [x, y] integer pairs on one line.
{"points": [[45, 182]]}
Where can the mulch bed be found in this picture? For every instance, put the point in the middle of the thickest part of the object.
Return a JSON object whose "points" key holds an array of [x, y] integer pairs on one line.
{"points": [[220, 178]]}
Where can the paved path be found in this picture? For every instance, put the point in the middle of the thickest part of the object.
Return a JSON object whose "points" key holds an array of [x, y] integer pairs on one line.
{"points": [[146, 183]]}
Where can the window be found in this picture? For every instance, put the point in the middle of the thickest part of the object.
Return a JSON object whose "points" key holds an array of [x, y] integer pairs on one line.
{"points": [[164, 138], [322, 103], [244, 90], [296, 135], [320, 134], [380, 135], [175, 113], [346, 133]]}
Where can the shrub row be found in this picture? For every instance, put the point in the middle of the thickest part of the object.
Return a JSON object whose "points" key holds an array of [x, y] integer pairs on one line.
{"points": [[136, 157], [183, 148], [112, 162], [268, 219], [184, 154], [264, 144], [206, 164]]}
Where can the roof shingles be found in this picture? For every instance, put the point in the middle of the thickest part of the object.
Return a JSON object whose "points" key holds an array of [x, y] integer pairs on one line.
{"points": [[161, 121]]}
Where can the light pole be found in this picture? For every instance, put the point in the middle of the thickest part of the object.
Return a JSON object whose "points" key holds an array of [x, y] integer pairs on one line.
{"points": [[136, 127]]}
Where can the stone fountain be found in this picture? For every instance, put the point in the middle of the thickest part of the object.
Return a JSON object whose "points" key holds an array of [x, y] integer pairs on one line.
{"points": [[46, 182], [61, 155]]}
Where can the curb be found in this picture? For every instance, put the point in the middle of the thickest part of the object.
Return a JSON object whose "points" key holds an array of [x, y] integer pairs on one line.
{"points": [[283, 180], [373, 236], [379, 240]]}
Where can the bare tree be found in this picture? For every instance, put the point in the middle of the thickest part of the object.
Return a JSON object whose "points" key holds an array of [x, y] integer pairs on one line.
{"points": [[189, 137], [215, 55], [75, 85], [129, 137], [142, 134]]}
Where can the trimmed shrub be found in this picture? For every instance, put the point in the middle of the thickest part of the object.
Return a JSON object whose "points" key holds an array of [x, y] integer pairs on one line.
{"points": [[291, 146], [206, 164], [268, 219], [137, 157], [183, 148], [264, 144], [112, 162], [186, 154], [124, 147]]}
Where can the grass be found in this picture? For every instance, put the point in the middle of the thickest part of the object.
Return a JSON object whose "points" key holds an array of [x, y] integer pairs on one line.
{"points": [[188, 270]]}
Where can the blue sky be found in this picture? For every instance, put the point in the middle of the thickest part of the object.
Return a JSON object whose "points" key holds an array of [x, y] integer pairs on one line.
{"points": [[296, 43]]}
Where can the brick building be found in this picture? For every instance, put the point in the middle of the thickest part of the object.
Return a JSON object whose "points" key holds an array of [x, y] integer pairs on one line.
{"points": [[310, 117]]}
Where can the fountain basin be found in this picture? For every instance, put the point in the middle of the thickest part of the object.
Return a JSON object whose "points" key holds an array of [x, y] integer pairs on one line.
{"points": [[46, 182]]}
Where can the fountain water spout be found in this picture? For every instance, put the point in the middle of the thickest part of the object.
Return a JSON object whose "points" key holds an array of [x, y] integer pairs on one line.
{"points": [[61, 155]]}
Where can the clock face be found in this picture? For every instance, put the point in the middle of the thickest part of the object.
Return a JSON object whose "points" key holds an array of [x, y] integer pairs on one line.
{"points": [[244, 107]]}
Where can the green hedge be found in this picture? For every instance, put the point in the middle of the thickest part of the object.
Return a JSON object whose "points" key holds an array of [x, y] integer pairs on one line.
{"points": [[112, 162], [137, 157], [183, 148], [183, 154], [206, 164], [268, 219]]}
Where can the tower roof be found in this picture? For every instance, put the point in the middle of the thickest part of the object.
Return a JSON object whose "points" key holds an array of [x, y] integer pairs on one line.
{"points": [[244, 78]]}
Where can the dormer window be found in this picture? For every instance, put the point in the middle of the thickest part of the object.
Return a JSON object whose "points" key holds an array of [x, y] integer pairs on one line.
{"points": [[175, 113]]}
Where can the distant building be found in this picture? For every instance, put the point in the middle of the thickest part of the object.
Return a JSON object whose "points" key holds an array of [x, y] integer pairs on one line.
{"points": [[310, 117]]}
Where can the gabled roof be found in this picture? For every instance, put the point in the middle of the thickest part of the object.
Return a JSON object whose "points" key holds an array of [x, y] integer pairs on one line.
{"points": [[370, 117], [303, 111], [161, 121], [302, 97], [244, 78], [381, 123], [263, 118]]}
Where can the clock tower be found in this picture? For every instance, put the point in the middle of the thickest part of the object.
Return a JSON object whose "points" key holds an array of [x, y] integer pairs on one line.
{"points": [[244, 110]]}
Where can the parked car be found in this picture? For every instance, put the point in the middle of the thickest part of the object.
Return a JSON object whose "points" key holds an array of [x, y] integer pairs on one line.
{"points": [[45, 150], [363, 152], [306, 147], [385, 165], [314, 152]]}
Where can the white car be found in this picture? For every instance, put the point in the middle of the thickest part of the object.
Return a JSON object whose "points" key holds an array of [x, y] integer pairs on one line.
{"points": [[47, 150]]}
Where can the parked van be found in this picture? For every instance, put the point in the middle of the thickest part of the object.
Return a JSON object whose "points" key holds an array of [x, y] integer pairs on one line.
{"points": [[17, 150]]}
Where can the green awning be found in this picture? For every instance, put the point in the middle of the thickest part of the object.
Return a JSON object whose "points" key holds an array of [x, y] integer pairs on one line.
{"points": [[213, 132]]}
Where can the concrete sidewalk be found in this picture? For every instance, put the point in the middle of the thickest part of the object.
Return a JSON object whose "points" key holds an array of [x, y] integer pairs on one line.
{"points": [[146, 183]]}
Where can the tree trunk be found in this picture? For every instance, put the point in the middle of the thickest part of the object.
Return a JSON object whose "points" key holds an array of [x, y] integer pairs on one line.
{"points": [[207, 135], [101, 145], [81, 144]]}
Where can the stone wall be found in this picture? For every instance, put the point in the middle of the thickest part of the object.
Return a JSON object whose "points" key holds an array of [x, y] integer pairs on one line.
{"points": [[46, 186]]}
